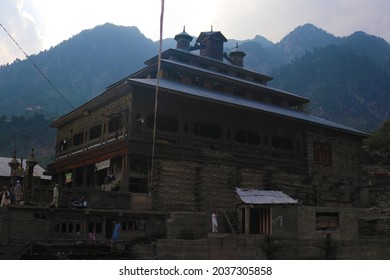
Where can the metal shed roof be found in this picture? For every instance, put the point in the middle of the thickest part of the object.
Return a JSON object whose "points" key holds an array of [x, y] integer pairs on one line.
{"points": [[254, 196]]}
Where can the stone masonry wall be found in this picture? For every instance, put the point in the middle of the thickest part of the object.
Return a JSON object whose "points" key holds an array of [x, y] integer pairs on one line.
{"points": [[191, 186], [338, 183]]}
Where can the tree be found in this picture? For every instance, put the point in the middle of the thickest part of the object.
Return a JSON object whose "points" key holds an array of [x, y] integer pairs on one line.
{"points": [[380, 140]]}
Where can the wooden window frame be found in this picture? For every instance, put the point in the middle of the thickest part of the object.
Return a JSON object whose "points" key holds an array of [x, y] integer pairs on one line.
{"points": [[327, 221], [322, 153]]}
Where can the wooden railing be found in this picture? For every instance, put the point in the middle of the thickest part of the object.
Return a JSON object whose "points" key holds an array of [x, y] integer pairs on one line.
{"points": [[96, 198]]}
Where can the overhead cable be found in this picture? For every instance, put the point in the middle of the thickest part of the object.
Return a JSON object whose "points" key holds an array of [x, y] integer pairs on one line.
{"points": [[36, 67]]}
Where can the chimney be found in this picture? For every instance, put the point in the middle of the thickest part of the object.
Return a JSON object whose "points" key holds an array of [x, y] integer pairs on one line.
{"points": [[237, 57], [211, 44], [183, 40]]}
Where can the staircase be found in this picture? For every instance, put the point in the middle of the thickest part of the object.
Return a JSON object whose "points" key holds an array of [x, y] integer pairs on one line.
{"points": [[232, 220]]}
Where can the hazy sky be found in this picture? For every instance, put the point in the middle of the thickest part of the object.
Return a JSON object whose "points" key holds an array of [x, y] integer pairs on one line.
{"points": [[39, 24]]}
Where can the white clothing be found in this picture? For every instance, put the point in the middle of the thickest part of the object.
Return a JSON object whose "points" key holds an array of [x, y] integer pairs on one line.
{"points": [[4, 200], [55, 197], [214, 222]]}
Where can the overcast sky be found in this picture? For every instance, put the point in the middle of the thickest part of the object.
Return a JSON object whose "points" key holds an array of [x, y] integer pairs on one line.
{"points": [[39, 24]]}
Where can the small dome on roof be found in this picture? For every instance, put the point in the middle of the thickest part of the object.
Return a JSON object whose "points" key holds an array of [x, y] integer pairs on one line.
{"points": [[183, 40], [183, 35]]}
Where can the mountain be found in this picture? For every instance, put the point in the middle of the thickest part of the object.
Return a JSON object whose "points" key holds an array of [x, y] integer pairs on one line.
{"points": [[302, 39], [79, 68], [343, 85], [264, 56], [377, 49], [347, 78], [21, 134]]}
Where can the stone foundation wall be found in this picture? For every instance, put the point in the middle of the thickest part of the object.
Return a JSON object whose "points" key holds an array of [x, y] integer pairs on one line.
{"points": [[248, 247]]}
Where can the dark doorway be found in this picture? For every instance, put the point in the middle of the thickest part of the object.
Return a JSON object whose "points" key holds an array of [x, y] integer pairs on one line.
{"points": [[260, 221]]}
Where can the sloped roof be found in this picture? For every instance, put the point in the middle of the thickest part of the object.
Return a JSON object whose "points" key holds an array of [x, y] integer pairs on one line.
{"points": [[262, 197], [237, 79], [232, 100], [216, 34], [185, 54], [5, 170]]}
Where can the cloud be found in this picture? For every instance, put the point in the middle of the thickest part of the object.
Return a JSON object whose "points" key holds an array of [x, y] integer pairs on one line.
{"points": [[274, 19], [40, 24], [19, 22]]}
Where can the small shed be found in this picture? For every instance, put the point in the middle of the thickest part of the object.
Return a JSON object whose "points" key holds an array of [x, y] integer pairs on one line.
{"points": [[267, 212]]}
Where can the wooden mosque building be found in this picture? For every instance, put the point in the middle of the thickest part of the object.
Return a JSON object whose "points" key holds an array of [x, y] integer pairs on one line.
{"points": [[161, 151]]}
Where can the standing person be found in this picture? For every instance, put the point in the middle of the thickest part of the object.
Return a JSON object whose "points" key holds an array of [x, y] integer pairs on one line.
{"points": [[11, 190], [115, 233], [214, 221], [5, 197], [18, 192], [92, 237], [55, 196]]}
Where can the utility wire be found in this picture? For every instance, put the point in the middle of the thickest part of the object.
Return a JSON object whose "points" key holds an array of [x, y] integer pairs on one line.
{"points": [[36, 67], [157, 84]]}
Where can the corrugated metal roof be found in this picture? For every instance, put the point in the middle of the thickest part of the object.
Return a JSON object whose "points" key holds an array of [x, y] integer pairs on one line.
{"points": [[253, 196], [226, 76], [5, 170], [243, 102], [228, 65]]}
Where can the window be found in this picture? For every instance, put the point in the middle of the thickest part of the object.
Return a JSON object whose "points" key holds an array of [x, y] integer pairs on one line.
{"points": [[327, 221], [196, 81], [138, 185], [322, 153], [258, 96], [218, 86], [204, 65], [283, 143], [114, 123], [174, 75], [78, 178], [276, 101], [70, 227], [238, 91], [207, 130], [222, 70], [64, 144], [78, 139], [134, 224], [247, 137], [241, 76], [163, 123], [228, 134], [373, 228], [153, 75], [179, 76], [138, 175], [95, 226], [95, 132]]}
